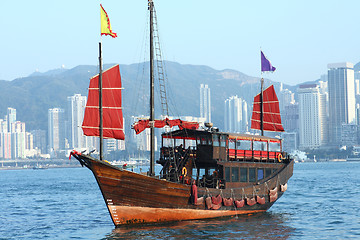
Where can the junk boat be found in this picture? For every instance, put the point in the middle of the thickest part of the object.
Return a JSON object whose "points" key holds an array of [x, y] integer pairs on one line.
{"points": [[205, 173]]}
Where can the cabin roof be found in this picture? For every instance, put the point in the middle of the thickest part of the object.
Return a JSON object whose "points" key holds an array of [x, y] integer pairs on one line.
{"points": [[193, 134], [186, 134]]}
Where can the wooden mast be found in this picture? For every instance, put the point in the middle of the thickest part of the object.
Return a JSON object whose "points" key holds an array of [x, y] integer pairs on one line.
{"points": [[100, 106], [262, 107], [152, 112]]}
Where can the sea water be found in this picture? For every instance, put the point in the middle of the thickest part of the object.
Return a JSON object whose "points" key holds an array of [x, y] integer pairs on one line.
{"points": [[322, 202]]}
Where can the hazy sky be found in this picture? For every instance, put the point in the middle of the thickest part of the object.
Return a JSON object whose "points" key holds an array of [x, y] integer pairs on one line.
{"points": [[300, 37]]}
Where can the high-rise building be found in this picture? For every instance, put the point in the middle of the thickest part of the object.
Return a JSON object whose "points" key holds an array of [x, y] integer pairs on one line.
{"points": [[39, 138], [56, 129], [5, 139], [5, 145], [18, 140], [290, 118], [341, 98], [349, 134], [356, 74], [205, 102], [312, 117], [11, 117], [236, 115], [323, 85], [357, 91], [3, 126], [290, 141], [357, 87], [75, 113], [142, 140], [286, 98]]}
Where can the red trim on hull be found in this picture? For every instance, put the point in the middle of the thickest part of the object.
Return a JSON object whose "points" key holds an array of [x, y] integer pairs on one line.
{"points": [[126, 215]]}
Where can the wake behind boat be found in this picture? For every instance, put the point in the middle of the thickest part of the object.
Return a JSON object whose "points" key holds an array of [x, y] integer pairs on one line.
{"points": [[205, 173]]}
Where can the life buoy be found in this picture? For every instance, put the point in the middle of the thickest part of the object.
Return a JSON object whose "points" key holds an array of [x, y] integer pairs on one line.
{"points": [[279, 157], [184, 171]]}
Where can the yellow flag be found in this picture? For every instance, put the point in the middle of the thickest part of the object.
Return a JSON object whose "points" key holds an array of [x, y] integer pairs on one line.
{"points": [[105, 23]]}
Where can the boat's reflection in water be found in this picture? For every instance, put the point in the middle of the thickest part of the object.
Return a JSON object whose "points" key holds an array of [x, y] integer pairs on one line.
{"points": [[260, 226]]}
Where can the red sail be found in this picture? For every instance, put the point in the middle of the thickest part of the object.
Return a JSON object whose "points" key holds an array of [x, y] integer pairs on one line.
{"points": [[141, 125], [112, 110], [271, 114]]}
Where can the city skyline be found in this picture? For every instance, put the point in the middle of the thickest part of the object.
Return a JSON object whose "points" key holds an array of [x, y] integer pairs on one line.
{"points": [[320, 113], [293, 42]]}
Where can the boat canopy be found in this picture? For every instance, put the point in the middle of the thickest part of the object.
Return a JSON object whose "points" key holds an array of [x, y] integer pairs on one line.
{"points": [[189, 134]]}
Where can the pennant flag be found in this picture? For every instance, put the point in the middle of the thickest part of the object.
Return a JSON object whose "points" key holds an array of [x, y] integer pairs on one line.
{"points": [[105, 23], [266, 64]]}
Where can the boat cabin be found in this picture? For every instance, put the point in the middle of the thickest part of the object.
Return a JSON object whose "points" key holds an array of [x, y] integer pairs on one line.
{"points": [[217, 159]]}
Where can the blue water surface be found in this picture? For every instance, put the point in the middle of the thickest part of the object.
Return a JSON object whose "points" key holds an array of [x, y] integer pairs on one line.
{"points": [[322, 202]]}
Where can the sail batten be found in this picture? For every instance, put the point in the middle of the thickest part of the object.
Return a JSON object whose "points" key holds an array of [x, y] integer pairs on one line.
{"points": [[271, 112], [112, 109]]}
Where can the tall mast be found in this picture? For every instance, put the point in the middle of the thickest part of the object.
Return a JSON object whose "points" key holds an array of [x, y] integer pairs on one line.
{"points": [[100, 105], [262, 107], [152, 112]]}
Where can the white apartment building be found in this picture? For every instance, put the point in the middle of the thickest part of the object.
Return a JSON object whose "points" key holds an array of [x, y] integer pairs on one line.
{"points": [[205, 102], [312, 117], [341, 98], [236, 115]]}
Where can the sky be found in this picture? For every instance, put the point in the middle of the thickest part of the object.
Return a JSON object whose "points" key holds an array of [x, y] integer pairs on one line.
{"points": [[299, 37]]}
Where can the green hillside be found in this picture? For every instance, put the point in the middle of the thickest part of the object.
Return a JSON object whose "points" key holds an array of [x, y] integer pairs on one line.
{"points": [[32, 96]]}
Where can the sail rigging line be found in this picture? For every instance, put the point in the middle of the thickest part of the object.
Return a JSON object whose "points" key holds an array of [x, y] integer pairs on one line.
{"points": [[138, 98], [161, 74], [159, 63]]}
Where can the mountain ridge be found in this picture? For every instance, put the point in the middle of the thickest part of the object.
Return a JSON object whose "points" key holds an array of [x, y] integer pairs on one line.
{"points": [[32, 96]]}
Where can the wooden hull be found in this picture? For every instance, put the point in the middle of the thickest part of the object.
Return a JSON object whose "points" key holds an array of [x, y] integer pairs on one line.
{"points": [[134, 198], [134, 215]]}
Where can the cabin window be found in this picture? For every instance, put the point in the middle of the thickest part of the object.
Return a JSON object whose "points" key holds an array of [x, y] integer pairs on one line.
{"points": [[204, 141], [260, 173], [194, 173], [202, 172], [190, 143], [252, 174], [216, 141], [168, 142], [274, 146], [243, 144], [222, 141], [212, 172], [227, 174], [259, 146], [234, 174], [243, 174], [231, 143], [268, 172]]}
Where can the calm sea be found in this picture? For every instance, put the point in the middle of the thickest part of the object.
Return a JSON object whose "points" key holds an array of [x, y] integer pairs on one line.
{"points": [[322, 202]]}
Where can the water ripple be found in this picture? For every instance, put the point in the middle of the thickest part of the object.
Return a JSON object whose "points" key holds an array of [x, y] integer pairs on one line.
{"points": [[321, 203]]}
